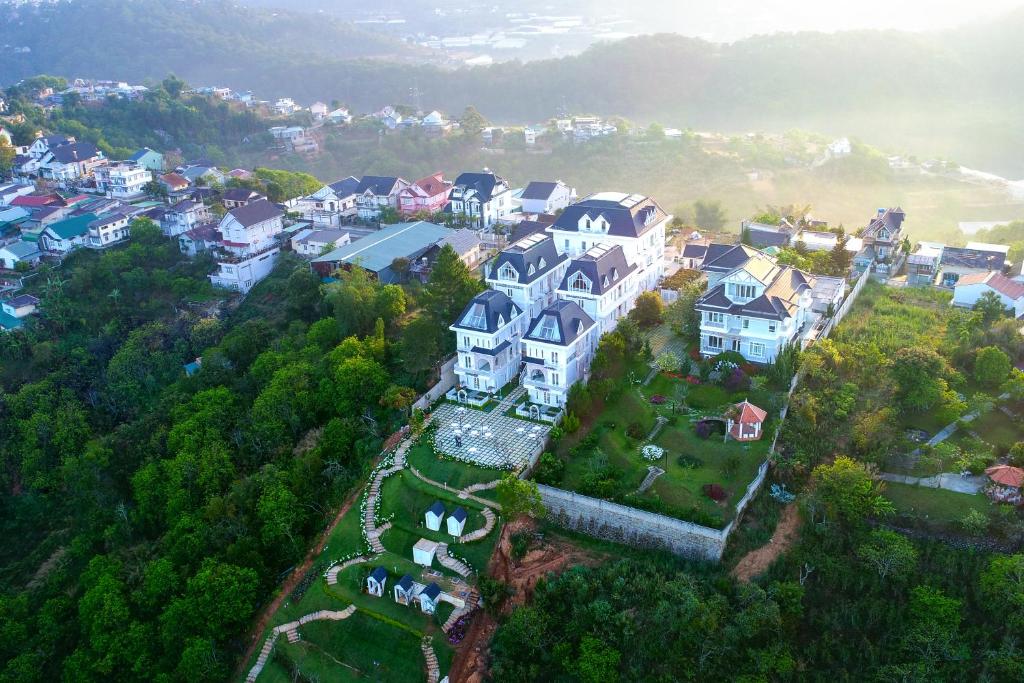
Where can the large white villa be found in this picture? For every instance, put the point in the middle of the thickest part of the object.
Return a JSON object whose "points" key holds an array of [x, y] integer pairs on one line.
{"points": [[560, 290]]}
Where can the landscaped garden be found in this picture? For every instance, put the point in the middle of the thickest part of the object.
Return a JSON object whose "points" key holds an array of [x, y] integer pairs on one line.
{"points": [[619, 428]]}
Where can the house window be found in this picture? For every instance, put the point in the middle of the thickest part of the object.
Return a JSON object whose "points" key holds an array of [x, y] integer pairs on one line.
{"points": [[554, 379], [716, 318], [743, 291], [746, 324], [772, 327], [465, 341], [579, 283], [735, 344], [507, 272], [554, 357], [715, 343], [757, 350]]}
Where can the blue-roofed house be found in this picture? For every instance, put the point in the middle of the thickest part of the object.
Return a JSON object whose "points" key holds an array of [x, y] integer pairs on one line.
{"points": [[376, 581], [487, 336], [434, 515], [603, 284], [193, 367], [529, 272], [149, 159], [429, 598], [404, 590], [480, 198], [632, 221], [457, 521], [557, 351], [20, 251]]}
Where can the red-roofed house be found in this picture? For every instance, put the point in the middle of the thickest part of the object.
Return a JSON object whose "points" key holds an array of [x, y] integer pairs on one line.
{"points": [[744, 421], [971, 287], [428, 194], [174, 182], [29, 201]]}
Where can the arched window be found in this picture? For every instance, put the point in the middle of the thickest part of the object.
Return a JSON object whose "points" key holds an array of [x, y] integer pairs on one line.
{"points": [[507, 272], [579, 283]]}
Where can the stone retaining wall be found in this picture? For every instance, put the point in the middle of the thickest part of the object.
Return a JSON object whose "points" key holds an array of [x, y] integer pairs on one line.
{"points": [[638, 528]]}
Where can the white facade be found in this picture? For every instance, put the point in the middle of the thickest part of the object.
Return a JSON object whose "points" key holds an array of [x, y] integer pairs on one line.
{"points": [[561, 196], [970, 289], [107, 231], [122, 181], [487, 361], [423, 552], [242, 273], [481, 212], [182, 217], [248, 236], [552, 369], [326, 207], [606, 302], [456, 523]]}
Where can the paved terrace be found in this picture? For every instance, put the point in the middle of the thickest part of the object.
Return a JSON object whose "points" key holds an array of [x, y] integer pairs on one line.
{"points": [[487, 439]]}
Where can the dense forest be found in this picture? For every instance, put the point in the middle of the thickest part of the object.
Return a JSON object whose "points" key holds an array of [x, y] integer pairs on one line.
{"points": [[144, 513], [884, 86]]}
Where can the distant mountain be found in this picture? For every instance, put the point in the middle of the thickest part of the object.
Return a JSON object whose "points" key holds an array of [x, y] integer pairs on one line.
{"points": [[951, 93], [210, 41]]}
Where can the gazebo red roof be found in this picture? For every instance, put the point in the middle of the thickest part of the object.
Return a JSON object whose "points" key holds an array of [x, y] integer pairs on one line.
{"points": [[747, 413], [1007, 475]]}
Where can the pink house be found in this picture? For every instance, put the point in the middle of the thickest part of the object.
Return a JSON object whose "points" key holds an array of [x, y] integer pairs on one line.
{"points": [[428, 194]]}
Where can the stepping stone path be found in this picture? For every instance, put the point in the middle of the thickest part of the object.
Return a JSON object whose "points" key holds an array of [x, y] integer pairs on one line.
{"points": [[490, 518], [433, 670], [450, 562], [373, 532], [472, 603], [658, 424], [291, 631], [332, 573], [652, 474]]}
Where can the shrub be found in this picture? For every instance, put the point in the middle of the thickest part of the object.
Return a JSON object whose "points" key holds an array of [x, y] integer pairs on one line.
{"points": [[690, 462], [715, 492], [703, 429], [974, 462], [1017, 454], [647, 310], [570, 423], [635, 430], [549, 469], [658, 399], [974, 523], [737, 380], [520, 543], [668, 362], [991, 366]]}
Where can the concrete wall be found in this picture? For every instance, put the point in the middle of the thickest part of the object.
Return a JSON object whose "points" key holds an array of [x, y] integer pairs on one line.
{"points": [[638, 528], [444, 383]]}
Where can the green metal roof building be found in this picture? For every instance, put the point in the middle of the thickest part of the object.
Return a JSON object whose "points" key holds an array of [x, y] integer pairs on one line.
{"points": [[376, 252]]}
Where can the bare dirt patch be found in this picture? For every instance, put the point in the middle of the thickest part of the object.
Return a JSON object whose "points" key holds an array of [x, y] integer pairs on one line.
{"points": [[471, 663], [757, 561]]}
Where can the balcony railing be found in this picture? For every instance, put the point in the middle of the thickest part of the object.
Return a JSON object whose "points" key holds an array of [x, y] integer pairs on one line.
{"points": [[229, 258]]}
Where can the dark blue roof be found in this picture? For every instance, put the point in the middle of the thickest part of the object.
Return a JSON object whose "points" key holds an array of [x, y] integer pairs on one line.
{"points": [[459, 514], [768, 238], [345, 187], [627, 215], [432, 591], [379, 574], [561, 323], [603, 266], [482, 183], [488, 312], [539, 190], [378, 185], [531, 258], [437, 508], [405, 583]]}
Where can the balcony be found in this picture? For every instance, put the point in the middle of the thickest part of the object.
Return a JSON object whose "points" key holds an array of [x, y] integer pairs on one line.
{"points": [[229, 258]]}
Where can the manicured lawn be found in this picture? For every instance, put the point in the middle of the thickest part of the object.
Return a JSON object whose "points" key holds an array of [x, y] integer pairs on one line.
{"points": [[358, 648], [457, 475], [936, 505], [604, 462], [998, 429], [349, 589]]}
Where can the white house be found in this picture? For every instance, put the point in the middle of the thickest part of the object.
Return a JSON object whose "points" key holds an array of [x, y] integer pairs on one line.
{"points": [[457, 522], [331, 204], [123, 180], [314, 242], [970, 288], [22, 306], [433, 516], [66, 235], [529, 272], [755, 309], [634, 222], [547, 197], [184, 216], [557, 352], [480, 198], [248, 238], [108, 230], [376, 193], [487, 336], [404, 590], [20, 251], [339, 116], [602, 283], [429, 598], [424, 550], [70, 161], [318, 110], [376, 582]]}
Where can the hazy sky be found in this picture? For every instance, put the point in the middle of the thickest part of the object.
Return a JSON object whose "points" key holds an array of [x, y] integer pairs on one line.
{"points": [[731, 19]]}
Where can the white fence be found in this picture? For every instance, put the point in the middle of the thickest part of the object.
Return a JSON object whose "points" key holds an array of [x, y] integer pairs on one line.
{"points": [[847, 304]]}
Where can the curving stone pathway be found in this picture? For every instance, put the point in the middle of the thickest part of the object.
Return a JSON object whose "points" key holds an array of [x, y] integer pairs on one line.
{"points": [[652, 474], [463, 493], [491, 520], [332, 573], [472, 603], [291, 631], [449, 562], [430, 657]]}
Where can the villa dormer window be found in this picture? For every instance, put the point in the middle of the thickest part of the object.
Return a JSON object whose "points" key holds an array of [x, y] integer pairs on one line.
{"points": [[542, 264], [579, 283], [507, 272], [531, 270], [548, 330]]}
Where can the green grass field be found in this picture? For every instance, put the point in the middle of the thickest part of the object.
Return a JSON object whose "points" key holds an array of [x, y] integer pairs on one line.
{"points": [[457, 475], [934, 505]]}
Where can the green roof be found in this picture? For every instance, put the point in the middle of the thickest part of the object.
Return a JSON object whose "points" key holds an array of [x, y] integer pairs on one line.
{"points": [[376, 251], [9, 322], [76, 226]]}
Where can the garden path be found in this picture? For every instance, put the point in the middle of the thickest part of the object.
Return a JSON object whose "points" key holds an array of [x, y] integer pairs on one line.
{"points": [[291, 631], [757, 561]]}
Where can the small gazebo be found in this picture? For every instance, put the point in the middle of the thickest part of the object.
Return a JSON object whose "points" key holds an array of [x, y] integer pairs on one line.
{"points": [[744, 421], [1007, 481]]}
